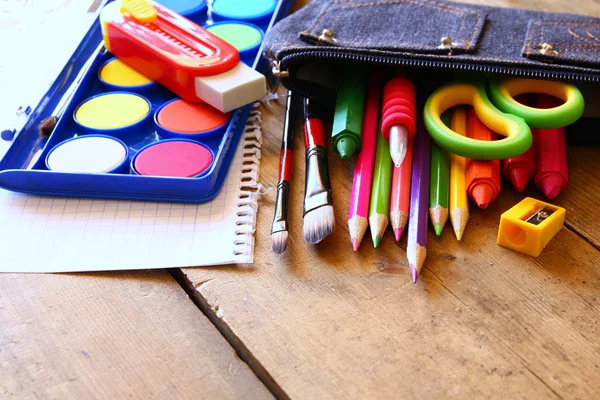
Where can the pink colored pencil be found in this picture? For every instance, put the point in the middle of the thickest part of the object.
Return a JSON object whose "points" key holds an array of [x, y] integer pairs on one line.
{"points": [[363, 169]]}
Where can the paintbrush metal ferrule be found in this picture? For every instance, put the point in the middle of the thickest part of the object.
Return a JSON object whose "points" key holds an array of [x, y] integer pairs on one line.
{"points": [[317, 186], [280, 218]]}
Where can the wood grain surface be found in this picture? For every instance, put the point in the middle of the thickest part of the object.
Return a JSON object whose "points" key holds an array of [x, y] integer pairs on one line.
{"points": [[112, 336], [482, 322]]}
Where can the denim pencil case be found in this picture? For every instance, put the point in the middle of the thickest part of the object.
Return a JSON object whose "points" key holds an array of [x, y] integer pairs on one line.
{"points": [[435, 39]]}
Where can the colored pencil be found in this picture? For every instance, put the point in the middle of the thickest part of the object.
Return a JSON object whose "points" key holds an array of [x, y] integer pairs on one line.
{"points": [[459, 204], [363, 170], [379, 206], [439, 185], [416, 248], [552, 173], [400, 197], [483, 176], [398, 122]]}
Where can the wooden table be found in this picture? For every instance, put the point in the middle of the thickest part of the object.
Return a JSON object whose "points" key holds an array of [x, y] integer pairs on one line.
{"points": [[323, 322]]}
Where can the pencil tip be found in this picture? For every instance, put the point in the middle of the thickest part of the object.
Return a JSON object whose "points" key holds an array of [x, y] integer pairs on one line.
{"points": [[458, 235], [415, 273], [355, 244], [398, 144], [376, 241], [438, 229], [398, 233]]}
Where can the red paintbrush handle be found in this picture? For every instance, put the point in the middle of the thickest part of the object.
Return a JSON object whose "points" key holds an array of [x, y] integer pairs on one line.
{"points": [[314, 128], [285, 165], [398, 108]]}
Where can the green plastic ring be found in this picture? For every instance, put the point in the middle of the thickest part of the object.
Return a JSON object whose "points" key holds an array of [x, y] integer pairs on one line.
{"points": [[503, 95]]}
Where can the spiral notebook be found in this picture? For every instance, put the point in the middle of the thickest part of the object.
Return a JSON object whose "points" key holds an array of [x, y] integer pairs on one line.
{"points": [[51, 234]]}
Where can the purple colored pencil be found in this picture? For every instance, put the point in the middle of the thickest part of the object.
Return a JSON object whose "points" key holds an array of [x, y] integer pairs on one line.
{"points": [[416, 249]]}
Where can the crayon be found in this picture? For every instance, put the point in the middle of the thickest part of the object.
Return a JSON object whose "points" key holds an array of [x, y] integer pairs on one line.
{"points": [[519, 170], [483, 176], [552, 173], [347, 120]]}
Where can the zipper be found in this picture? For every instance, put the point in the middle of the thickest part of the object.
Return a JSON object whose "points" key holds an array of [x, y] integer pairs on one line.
{"points": [[289, 61]]}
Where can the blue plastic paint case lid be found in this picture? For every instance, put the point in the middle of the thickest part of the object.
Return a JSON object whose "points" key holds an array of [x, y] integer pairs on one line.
{"points": [[243, 10]]}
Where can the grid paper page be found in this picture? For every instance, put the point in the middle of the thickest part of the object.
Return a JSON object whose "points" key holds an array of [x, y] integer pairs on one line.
{"points": [[53, 234]]}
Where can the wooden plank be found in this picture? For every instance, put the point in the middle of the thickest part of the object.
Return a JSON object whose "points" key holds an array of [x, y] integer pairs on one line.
{"points": [[113, 335], [482, 322]]}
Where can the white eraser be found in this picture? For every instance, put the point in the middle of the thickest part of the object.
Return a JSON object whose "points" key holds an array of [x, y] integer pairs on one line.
{"points": [[232, 89]]}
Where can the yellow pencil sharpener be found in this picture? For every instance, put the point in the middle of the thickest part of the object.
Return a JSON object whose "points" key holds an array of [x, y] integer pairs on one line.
{"points": [[530, 225]]}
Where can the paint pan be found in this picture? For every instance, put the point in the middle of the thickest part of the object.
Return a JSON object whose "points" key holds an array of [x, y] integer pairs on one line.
{"points": [[173, 157], [191, 9], [257, 12], [120, 114], [198, 121], [89, 154], [245, 37], [116, 75]]}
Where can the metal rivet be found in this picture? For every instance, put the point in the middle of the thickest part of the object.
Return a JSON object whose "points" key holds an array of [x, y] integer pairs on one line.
{"points": [[546, 49], [446, 42], [542, 215], [327, 36]]}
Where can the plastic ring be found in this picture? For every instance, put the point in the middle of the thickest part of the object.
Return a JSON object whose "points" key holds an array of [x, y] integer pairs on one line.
{"points": [[503, 93], [517, 133]]}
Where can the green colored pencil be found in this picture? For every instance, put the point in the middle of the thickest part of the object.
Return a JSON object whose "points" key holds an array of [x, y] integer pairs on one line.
{"points": [[380, 191], [439, 184]]}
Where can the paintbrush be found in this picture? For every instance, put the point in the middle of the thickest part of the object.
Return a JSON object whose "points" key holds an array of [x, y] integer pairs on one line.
{"points": [[279, 229], [319, 221]]}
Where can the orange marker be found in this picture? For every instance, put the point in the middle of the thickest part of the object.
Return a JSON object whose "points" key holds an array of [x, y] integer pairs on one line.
{"points": [[482, 177]]}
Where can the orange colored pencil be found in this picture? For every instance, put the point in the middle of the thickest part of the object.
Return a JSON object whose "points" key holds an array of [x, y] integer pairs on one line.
{"points": [[400, 198], [482, 177]]}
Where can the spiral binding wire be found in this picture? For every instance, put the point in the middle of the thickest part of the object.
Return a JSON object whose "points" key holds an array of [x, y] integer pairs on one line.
{"points": [[250, 187]]}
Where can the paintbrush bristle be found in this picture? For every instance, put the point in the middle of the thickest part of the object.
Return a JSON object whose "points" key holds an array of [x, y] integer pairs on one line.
{"points": [[318, 224], [279, 241]]}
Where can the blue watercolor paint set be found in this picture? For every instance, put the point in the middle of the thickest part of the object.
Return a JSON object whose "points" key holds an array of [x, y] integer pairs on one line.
{"points": [[155, 145]]}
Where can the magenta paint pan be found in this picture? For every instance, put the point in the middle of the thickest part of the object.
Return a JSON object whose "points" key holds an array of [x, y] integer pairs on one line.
{"points": [[182, 158]]}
